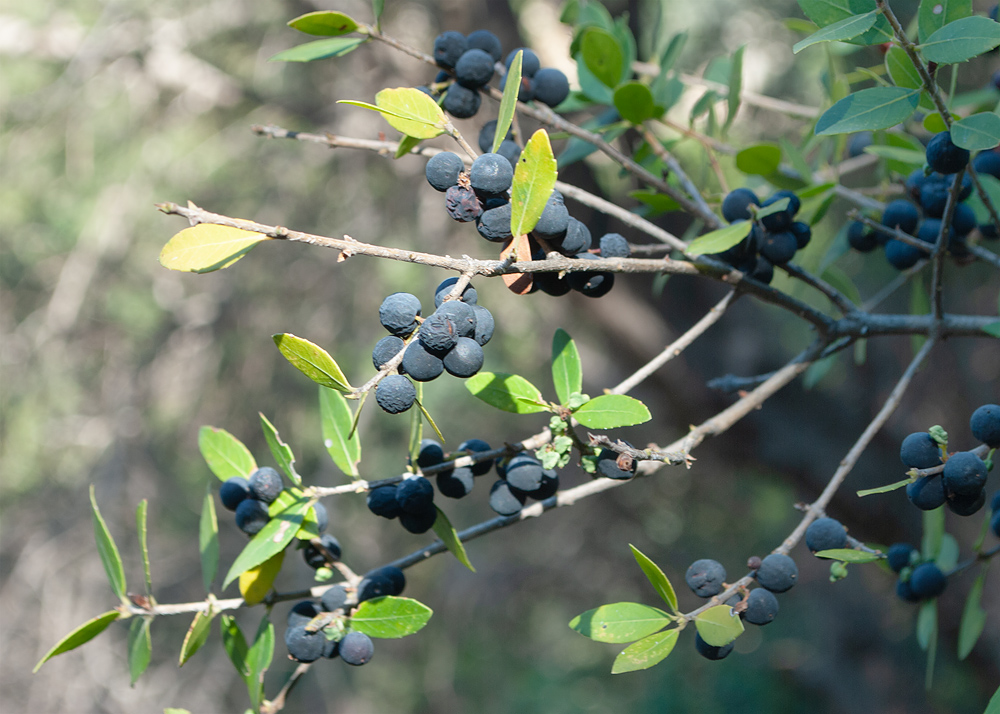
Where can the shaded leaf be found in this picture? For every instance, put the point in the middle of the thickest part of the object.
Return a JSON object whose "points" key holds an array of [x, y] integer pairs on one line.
{"points": [[208, 540], [567, 371], [140, 647], [656, 577], [977, 132], [868, 109], [508, 103], [672, 51], [313, 361], [449, 536], [225, 455], [106, 548], [827, 12], [620, 622], [910, 157], [658, 203], [935, 14], [81, 635], [646, 652], [235, 644], [140, 526], [901, 69], [933, 533], [324, 23], [602, 55], [337, 423], [272, 539], [735, 88], [390, 617], [961, 40], [719, 625], [848, 555], [719, 240], [256, 582], [634, 102], [319, 49], [947, 557], [258, 659], [406, 145], [610, 411], [926, 623], [207, 247], [534, 178], [503, 391], [281, 452], [846, 29], [196, 636]]}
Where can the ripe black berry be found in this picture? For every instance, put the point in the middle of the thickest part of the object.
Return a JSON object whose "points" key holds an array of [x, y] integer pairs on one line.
{"points": [[927, 581], [251, 516], [334, 598], [554, 220], [551, 86], [395, 394], [233, 491], [473, 446], [530, 64], [548, 487], [302, 613], [964, 474], [448, 48], [607, 466], [491, 175], [943, 156], [430, 454], [926, 493], [465, 358], [802, 233], [708, 651], [735, 204], [462, 315], [934, 195], [860, 238], [901, 214], [442, 170], [494, 223], [920, 451], [414, 494], [762, 607], [304, 646], [456, 483], [265, 484], [987, 162], [576, 240], [486, 41], [779, 248], [356, 648], [382, 501], [705, 577], [505, 500], [462, 204], [614, 245], [385, 349], [322, 517], [438, 333], [985, 425], [444, 288], [524, 472], [777, 573], [510, 151], [419, 522], [825, 534], [902, 255], [899, 556], [488, 133], [420, 364], [398, 313], [461, 102], [315, 558], [967, 505], [484, 325], [474, 69]]}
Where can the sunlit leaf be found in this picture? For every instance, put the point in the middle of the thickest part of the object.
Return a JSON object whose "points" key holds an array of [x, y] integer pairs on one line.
{"points": [[207, 247]]}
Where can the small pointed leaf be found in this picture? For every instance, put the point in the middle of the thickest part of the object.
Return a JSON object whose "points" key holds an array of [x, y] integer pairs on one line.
{"points": [[108, 551], [319, 49], [534, 178], [273, 538], [868, 110], [973, 618], [719, 240], [140, 525], [208, 540], [848, 555], [390, 617], [140, 647], [225, 455], [281, 452], [449, 536], [207, 247], [508, 104], [846, 29], [324, 23], [659, 581], [337, 423], [503, 390], [81, 635], [313, 361], [610, 411], [646, 652], [256, 582], [961, 40], [196, 636], [620, 622], [567, 371]]}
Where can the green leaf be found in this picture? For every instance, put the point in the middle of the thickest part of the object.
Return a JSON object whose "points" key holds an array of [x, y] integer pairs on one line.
{"points": [[258, 659], [869, 109], [947, 557], [961, 40], [390, 617], [935, 14], [108, 551], [603, 55], [884, 489], [208, 540], [503, 391], [235, 645], [901, 70], [140, 647], [667, 89], [993, 707], [281, 452], [175, 710], [672, 51], [225, 455], [846, 29], [760, 159], [991, 186], [272, 539], [140, 526], [848, 555], [319, 49], [827, 12], [508, 103], [719, 240], [430, 420], [406, 145], [610, 411], [735, 88], [449, 536], [634, 102], [910, 157], [324, 23], [620, 622], [377, 7], [775, 207], [207, 247], [658, 203], [656, 577], [646, 652], [411, 112], [534, 178], [926, 623], [337, 422], [842, 281], [973, 618], [313, 361], [196, 636], [416, 427], [719, 625], [592, 87], [81, 635], [977, 132], [933, 533], [992, 329], [567, 372]]}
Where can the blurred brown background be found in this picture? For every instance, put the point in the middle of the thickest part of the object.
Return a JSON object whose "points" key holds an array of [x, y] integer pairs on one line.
{"points": [[110, 364]]}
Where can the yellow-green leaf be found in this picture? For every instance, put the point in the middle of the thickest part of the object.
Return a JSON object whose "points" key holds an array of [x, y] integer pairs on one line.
{"points": [[719, 625], [409, 111], [84, 633], [256, 583], [313, 361], [207, 247], [534, 179], [719, 240], [196, 636], [449, 536], [324, 23], [646, 652]]}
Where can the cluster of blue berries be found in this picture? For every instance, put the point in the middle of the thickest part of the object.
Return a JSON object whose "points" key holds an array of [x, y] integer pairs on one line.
{"points": [[774, 238], [961, 481], [449, 339], [313, 630], [776, 573], [921, 215], [918, 579], [468, 63]]}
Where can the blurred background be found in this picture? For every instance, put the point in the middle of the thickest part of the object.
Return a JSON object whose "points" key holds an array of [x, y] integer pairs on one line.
{"points": [[110, 364]]}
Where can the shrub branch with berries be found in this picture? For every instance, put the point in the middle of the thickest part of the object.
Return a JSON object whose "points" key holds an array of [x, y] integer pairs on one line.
{"points": [[509, 193]]}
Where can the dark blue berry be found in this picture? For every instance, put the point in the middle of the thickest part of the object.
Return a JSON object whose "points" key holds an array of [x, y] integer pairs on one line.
{"points": [[414, 494], [442, 170], [856, 143], [927, 581], [778, 573], [510, 151], [321, 516], [462, 204], [530, 64], [901, 214], [398, 313], [315, 558], [902, 255], [444, 288], [395, 394], [964, 474], [487, 42], [927, 493], [494, 223], [265, 484], [356, 648], [420, 364], [934, 195], [802, 233], [861, 238], [708, 651], [474, 69], [967, 505], [303, 612], [987, 162], [943, 156], [735, 206], [524, 472], [474, 446], [551, 86], [985, 425], [614, 245], [430, 454], [385, 349], [779, 248], [461, 102], [456, 483], [420, 521], [576, 240], [464, 359], [505, 500], [899, 556], [825, 534], [448, 48], [705, 577], [920, 451], [251, 516], [491, 175], [607, 466], [382, 501], [304, 646], [762, 607], [554, 220], [233, 491], [334, 598]]}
